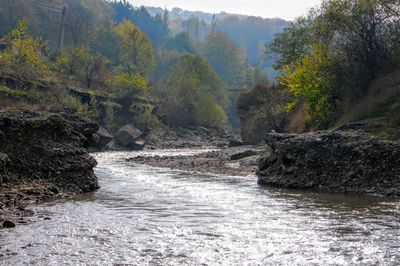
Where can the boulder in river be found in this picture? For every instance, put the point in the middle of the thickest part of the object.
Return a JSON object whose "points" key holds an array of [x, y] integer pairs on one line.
{"points": [[235, 143], [127, 136], [8, 224], [335, 161], [103, 138]]}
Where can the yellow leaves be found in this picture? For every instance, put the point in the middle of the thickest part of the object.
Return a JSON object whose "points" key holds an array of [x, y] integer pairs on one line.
{"points": [[306, 79], [290, 106], [131, 83], [135, 51], [24, 55]]}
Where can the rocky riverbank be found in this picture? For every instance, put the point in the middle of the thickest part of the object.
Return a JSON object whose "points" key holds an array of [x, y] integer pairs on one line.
{"points": [[233, 161], [42, 156], [130, 138], [336, 161]]}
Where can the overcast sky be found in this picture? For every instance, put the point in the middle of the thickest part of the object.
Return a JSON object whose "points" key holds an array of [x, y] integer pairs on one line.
{"points": [[287, 9]]}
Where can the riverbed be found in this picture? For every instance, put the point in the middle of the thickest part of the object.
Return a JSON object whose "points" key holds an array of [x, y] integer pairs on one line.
{"points": [[145, 215]]}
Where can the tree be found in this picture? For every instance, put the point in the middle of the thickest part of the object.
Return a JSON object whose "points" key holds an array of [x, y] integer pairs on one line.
{"points": [[227, 59], [135, 49], [335, 52], [90, 69], [290, 44], [24, 56], [180, 42], [364, 31], [193, 94], [309, 78], [129, 85], [156, 28], [230, 64]]}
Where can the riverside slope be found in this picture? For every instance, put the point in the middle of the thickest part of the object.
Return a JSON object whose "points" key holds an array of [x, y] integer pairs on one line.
{"points": [[332, 161], [42, 157]]}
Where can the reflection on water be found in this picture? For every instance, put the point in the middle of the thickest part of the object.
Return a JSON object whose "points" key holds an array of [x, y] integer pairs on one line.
{"points": [[150, 216]]}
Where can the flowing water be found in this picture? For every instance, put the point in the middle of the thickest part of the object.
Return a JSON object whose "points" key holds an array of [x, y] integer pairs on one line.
{"points": [[152, 216]]}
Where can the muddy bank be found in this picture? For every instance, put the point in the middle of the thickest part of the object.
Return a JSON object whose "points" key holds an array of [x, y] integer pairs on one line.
{"points": [[234, 161], [42, 156], [333, 161]]}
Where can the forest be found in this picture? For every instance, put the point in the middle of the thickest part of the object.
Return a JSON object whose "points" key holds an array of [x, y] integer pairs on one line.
{"points": [[338, 64], [116, 63]]}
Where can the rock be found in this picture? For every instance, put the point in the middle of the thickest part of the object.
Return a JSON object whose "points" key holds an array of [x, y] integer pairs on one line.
{"points": [[8, 224], [2, 136], [4, 164], [138, 145], [361, 125], [85, 127], [104, 138], [127, 135], [235, 143], [48, 148], [205, 131], [243, 154], [113, 146], [338, 161]]}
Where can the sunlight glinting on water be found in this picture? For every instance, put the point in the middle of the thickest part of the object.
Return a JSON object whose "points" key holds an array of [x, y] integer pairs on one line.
{"points": [[152, 216]]}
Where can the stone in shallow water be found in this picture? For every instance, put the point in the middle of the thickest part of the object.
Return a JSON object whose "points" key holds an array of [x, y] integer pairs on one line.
{"points": [[8, 224]]}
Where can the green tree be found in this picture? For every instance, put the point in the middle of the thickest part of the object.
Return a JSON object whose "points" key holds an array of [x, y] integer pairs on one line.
{"points": [[291, 44], [89, 69], [331, 56], [193, 94], [230, 64], [135, 49], [130, 85], [309, 78], [227, 59], [24, 56]]}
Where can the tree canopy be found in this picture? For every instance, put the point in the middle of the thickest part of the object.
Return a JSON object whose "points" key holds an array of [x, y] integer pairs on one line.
{"points": [[194, 94], [332, 55]]}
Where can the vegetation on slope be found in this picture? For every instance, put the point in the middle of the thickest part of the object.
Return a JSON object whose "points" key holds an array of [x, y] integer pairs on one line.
{"points": [[111, 61]]}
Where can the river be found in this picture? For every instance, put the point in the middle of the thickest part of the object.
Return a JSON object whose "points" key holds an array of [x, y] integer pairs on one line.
{"points": [[152, 216]]}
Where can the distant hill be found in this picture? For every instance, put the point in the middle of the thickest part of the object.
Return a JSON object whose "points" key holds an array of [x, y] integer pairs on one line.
{"points": [[178, 13], [249, 33]]}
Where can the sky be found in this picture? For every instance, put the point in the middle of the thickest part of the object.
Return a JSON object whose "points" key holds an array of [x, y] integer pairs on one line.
{"points": [[287, 9]]}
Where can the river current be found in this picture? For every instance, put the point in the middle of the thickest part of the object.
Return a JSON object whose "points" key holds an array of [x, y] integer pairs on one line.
{"points": [[153, 216]]}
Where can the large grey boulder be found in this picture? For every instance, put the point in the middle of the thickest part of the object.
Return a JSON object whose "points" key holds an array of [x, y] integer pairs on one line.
{"points": [[337, 161], [127, 135], [104, 137]]}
